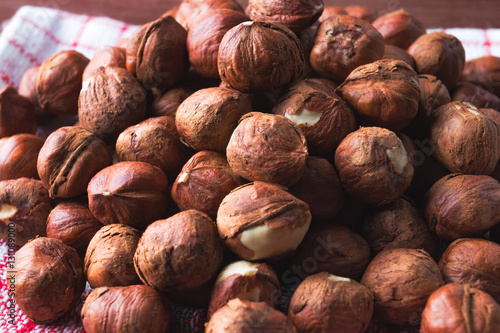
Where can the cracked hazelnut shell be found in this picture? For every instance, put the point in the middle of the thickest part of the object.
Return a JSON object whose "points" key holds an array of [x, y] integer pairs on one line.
{"points": [[18, 156], [17, 114], [399, 28]]}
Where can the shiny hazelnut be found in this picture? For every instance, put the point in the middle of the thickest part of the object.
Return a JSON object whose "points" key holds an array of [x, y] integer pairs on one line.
{"points": [[256, 282], [334, 249], [457, 307], [18, 156], [206, 119], [328, 303], [180, 253], [59, 82], [167, 103], [397, 53], [472, 93], [484, 71], [113, 309], [398, 224], [439, 54], [16, 113], [49, 279], [249, 60], [155, 141], [295, 15], [475, 262], [110, 101], [320, 188], [459, 206], [249, 317], [109, 260], [342, 44], [401, 281], [373, 165], [324, 118], [399, 28], [205, 35], [362, 12], [268, 148], [261, 220], [73, 223], [105, 56], [203, 182], [68, 159], [132, 193], [24, 207], [383, 93], [465, 140]]}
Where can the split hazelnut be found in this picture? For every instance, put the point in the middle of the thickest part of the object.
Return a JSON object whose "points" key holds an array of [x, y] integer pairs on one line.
{"points": [[261, 220], [18, 156], [16, 113], [399, 28]]}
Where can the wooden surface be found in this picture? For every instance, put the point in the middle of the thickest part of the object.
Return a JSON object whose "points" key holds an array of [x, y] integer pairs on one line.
{"points": [[432, 13]]}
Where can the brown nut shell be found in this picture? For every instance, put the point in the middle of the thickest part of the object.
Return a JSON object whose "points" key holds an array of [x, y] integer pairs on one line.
{"points": [[382, 93], [109, 260], [397, 53], [484, 71], [260, 56], [460, 308], [105, 56], [261, 220], [267, 147], [24, 207], [18, 156], [132, 193], [399, 28], [401, 281], [49, 279], [16, 113], [327, 303], [167, 104], [27, 88], [475, 94], [249, 317], [473, 261], [117, 309], [68, 159]]}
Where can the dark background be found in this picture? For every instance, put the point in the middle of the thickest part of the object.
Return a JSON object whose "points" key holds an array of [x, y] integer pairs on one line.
{"points": [[432, 13]]}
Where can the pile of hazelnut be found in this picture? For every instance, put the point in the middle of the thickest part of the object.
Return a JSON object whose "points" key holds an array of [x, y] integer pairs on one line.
{"points": [[289, 167]]}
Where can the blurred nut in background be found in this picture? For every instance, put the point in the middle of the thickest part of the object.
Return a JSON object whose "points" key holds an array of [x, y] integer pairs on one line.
{"points": [[484, 71], [472, 93], [167, 104], [19, 155], [16, 113], [397, 53], [399, 28]]}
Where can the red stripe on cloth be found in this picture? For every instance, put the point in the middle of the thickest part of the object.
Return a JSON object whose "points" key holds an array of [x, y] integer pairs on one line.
{"points": [[45, 31], [5, 78], [487, 42], [122, 31], [30, 326], [22, 50], [82, 30]]}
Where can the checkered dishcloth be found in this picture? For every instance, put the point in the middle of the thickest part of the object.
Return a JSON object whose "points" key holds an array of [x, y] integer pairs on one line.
{"points": [[34, 34]]}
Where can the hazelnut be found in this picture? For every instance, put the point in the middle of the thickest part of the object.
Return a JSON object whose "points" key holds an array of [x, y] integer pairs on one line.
{"points": [[206, 119], [261, 220], [474, 94], [73, 223], [462, 206], [328, 303], [105, 56], [295, 15], [109, 260], [329, 11], [210, 6], [155, 141], [180, 253], [167, 104], [334, 249], [249, 60], [398, 224], [373, 165], [484, 71], [268, 148], [110, 101], [399, 28], [361, 12], [475, 262], [16, 113], [184, 10], [49, 279], [324, 118], [256, 282], [492, 114], [131, 48], [203, 182], [342, 44], [397, 53], [132, 193], [27, 88], [320, 188], [383, 93], [114, 309], [401, 280], [204, 37], [439, 54], [249, 317], [465, 140], [68, 159], [59, 82], [457, 307], [18, 156], [24, 207]]}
